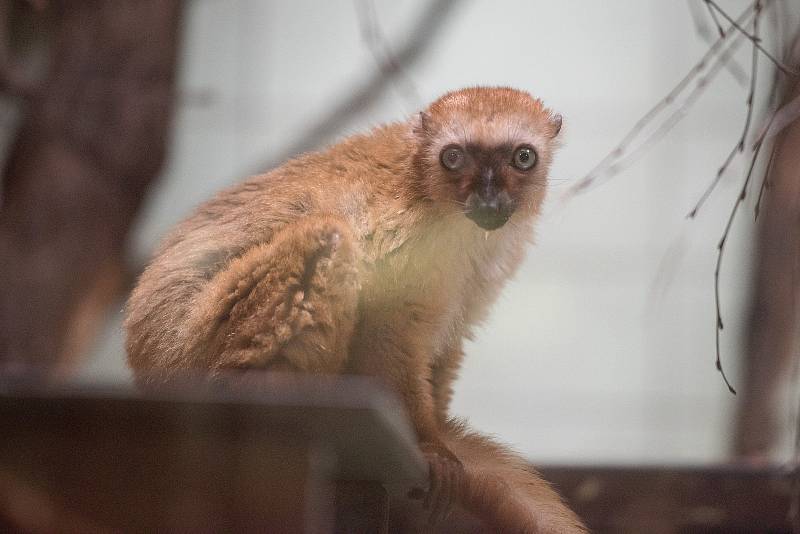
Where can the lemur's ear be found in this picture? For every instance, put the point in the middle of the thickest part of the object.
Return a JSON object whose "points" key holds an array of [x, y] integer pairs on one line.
{"points": [[423, 123], [555, 122]]}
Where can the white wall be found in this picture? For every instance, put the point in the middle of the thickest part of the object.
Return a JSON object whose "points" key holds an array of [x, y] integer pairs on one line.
{"points": [[591, 354]]}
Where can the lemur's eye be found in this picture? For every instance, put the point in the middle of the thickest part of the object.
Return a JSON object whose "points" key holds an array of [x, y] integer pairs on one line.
{"points": [[524, 158], [452, 157]]}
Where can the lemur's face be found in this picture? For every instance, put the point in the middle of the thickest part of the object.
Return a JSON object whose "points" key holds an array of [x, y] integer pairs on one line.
{"points": [[487, 151]]}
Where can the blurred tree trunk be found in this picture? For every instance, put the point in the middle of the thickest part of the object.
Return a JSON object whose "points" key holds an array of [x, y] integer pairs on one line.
{"points": [[771, 342], [91, 141]]}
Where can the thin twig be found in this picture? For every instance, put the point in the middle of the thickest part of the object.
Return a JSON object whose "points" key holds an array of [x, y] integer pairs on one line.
{"points": [[606, 166], [756, 41], [715, 19], [740, 144], [427, 28], [765, 183], [753, 78], [723, 241], [707, 193]]}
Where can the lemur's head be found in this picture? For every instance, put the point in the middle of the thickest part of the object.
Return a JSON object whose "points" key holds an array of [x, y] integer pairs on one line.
{"points": [[486, 150]]}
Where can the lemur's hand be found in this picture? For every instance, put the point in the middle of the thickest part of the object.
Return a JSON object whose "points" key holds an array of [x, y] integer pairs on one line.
{"points": [[446, 480]]}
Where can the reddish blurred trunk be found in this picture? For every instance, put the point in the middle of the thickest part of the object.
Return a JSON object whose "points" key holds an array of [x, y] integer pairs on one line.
{"points": [[772, 334], [93, 138]]}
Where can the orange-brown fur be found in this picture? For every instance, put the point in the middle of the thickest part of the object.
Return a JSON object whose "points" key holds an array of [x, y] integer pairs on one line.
{"points": [[359, 259]]}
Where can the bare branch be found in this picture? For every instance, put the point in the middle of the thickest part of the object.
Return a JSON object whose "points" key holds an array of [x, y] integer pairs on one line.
{"points": [[765, 183], [610, 165], [375, 40], [427, 27]]}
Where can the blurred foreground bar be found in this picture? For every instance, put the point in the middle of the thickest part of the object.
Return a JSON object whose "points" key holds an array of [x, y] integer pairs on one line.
{"points": [[271, 455], [283, 453]]}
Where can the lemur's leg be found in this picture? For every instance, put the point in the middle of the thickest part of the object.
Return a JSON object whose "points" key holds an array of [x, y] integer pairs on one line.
{"points": [[289, 304]]}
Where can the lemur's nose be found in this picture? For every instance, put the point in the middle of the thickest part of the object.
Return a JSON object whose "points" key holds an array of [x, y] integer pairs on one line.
{"points": [[489, 200], [489, 211]]}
